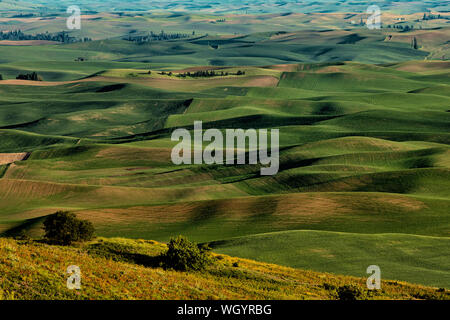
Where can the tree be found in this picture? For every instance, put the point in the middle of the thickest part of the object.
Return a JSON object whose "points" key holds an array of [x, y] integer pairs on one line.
{"points": [[64, 228], [183, 255], [414, 44]]}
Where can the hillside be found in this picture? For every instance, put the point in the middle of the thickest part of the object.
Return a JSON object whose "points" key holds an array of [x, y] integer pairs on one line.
{"points": [[125, 269], [418, 259], [364, 152], [358, 93]]}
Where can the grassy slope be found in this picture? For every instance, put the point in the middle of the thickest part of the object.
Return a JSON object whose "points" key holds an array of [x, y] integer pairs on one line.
{"points": [[122, 269], [417, 259], [356, 158]]}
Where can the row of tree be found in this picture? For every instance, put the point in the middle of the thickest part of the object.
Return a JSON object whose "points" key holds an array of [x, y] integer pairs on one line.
{"points": [[433, 16], [151, 36], [208, 73], [29, 76], [64, 37], [405, 28]]}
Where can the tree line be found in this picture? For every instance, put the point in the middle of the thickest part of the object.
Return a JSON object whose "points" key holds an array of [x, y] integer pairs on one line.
{"points": [[405, 28], [162, 36], [29, 76], [432, 17], [33, 76], [204, 74], [63, 37]]}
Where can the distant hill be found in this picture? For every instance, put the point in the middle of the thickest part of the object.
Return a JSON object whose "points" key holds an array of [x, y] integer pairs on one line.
{"points": [[233, 6]]}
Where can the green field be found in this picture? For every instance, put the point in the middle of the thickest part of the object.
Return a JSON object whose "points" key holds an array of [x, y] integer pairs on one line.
{"points": [[364, 150], [364, 123], [419, 259]]}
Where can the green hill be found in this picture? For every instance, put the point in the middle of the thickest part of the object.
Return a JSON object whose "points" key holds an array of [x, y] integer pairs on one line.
{"points": [[364, 153], [417, 259], [124, 269]]}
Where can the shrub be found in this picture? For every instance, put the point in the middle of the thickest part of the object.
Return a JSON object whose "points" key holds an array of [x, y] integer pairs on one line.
{"points": [[22, 235], [64, 228], [183, 255], [349, 293], [329, 287]]}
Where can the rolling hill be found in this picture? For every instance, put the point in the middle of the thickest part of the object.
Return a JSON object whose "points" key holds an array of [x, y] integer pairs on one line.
{"points": [[364, 167], [364, 158]]}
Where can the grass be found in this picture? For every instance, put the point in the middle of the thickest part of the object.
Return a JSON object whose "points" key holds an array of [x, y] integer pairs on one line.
{"points": [[364, 155], [123, 269], [416, 259]]}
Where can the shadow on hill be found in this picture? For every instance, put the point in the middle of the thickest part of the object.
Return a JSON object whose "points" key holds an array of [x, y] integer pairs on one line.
{"points": [[123, 253], [112, 87], [24, 227], [351, 39]]}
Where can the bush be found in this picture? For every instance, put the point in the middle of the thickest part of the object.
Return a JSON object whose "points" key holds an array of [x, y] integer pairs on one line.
{"points": [[22, 235], [183, 255], [64, 228], [329, 287], [349, 293]]}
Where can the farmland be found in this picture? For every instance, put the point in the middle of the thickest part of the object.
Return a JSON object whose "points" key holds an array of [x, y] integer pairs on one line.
{"points": [[363, 117]]}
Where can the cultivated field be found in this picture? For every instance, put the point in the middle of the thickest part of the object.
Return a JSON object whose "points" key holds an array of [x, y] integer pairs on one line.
{"points": [[364, 120]]}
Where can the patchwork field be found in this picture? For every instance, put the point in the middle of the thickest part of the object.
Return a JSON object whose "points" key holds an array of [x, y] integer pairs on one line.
{"points": [[364, 151], [363, 116]]}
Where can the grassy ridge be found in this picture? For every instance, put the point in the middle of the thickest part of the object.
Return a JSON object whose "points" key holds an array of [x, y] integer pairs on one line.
{"points": [[367, 158], [121, 269]]}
